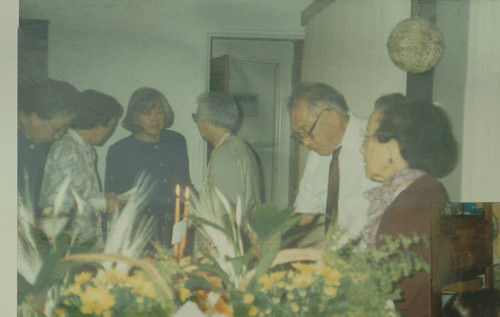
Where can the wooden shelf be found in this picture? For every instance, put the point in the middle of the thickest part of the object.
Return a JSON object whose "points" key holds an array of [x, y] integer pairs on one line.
{"points": [[461, 250]]}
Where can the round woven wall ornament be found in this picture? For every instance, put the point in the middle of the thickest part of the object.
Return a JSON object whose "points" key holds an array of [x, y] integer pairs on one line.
{"points": [[415, 45]]}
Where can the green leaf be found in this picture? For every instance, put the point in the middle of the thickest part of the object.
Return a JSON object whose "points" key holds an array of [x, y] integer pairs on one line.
{"points": [[266, 217], [215, 270], [268, 252], [198, 282], [209, 223]]}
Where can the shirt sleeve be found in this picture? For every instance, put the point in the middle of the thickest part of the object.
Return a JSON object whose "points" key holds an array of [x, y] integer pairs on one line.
{"points": [[313, 187], [112, 173], [121, 172], [61, 161], [183, 163], [98, 203]]}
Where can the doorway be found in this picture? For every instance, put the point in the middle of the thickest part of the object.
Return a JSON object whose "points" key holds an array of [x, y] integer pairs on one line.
{"points": [[260, 74]]}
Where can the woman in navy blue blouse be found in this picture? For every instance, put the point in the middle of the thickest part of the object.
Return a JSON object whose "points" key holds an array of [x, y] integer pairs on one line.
{"points": [[153, 150]]}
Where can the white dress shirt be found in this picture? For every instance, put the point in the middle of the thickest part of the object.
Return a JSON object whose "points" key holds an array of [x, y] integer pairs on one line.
{"points": [[313, 188]]}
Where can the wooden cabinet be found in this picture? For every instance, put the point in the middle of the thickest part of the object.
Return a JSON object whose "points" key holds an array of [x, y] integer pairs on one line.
{"points": [[461, 250]]}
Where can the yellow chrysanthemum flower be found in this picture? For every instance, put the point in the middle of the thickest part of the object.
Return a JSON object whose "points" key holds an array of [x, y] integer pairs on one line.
{"points": [[332, 276], [303, 279], [253, 311], [276, 300], [141, 286], [106, 313], [72, 289], [95, 300], [302, 293], [267, 280], [184, 294], [83, 277], [60, 312], [115, 276], [248, 298], [330, 291], [294, 306]]}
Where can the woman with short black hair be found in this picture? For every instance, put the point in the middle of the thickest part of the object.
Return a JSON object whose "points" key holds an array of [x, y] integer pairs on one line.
{"points": [[408, 144]]}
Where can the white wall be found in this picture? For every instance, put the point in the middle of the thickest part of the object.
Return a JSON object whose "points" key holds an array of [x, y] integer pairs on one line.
{"points": [[119, 46], [481, 147], [346, 47], [450, 77]]}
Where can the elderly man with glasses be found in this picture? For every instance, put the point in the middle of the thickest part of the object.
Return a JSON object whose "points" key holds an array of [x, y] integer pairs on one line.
{"points": [[333, 180], [45, 110]]}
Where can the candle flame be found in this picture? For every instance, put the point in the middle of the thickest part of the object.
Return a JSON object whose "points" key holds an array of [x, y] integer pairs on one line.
{"points": [[177, 190], [187, 193]]}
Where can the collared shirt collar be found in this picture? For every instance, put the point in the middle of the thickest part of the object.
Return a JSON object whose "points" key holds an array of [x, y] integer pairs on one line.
{"points": [[72, 133]]}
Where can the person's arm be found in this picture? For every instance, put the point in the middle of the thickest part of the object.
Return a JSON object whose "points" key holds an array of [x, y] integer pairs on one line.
{"points": [[227, 175], [113, 176], [313, 187], [183, 162], [61, 161], [115, 179], [121, 169]]}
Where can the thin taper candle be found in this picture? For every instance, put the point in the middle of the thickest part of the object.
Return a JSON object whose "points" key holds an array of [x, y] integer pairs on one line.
{"points": [[177, 214], [184, 217]]}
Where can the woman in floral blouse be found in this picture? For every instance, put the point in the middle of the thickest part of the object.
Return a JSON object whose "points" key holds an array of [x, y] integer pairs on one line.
{"points": [[71, 162]]}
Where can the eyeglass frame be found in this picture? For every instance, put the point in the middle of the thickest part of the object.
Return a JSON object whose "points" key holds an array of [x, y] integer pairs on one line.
{"points": [[300, 136]]}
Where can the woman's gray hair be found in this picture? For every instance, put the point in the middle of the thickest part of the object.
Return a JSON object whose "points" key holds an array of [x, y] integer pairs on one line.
{"points": [[143, 100], [218, 108]]}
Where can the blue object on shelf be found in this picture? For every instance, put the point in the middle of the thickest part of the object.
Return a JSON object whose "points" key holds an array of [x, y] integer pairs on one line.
{"points": [[471, 209]]}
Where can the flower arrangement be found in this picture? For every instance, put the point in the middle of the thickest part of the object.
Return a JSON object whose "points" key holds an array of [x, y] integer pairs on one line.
{"points": [[111, 293], [346, 281], [343, 279], [244, 270]]}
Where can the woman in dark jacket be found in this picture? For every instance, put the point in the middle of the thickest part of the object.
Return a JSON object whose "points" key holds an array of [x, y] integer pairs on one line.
{"points": [[151, 150]]}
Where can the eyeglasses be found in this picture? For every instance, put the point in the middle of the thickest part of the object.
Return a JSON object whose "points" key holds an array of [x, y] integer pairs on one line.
{"points": [[195, 117], [299, 136], [57, 132]]}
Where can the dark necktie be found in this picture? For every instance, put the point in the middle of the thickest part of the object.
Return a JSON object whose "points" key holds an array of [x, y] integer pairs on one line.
{"points": [[333, 190]]}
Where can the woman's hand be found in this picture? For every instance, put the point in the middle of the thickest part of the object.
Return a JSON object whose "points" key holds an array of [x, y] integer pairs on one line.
{"points": [[113, 203]]}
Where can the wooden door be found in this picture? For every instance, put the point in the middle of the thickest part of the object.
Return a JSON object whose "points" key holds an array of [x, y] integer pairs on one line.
{"points": [[219, 81]]}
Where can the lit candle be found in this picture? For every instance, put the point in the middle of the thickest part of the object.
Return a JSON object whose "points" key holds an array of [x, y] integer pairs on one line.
{"points": [[177, 214], [184, 216]]}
